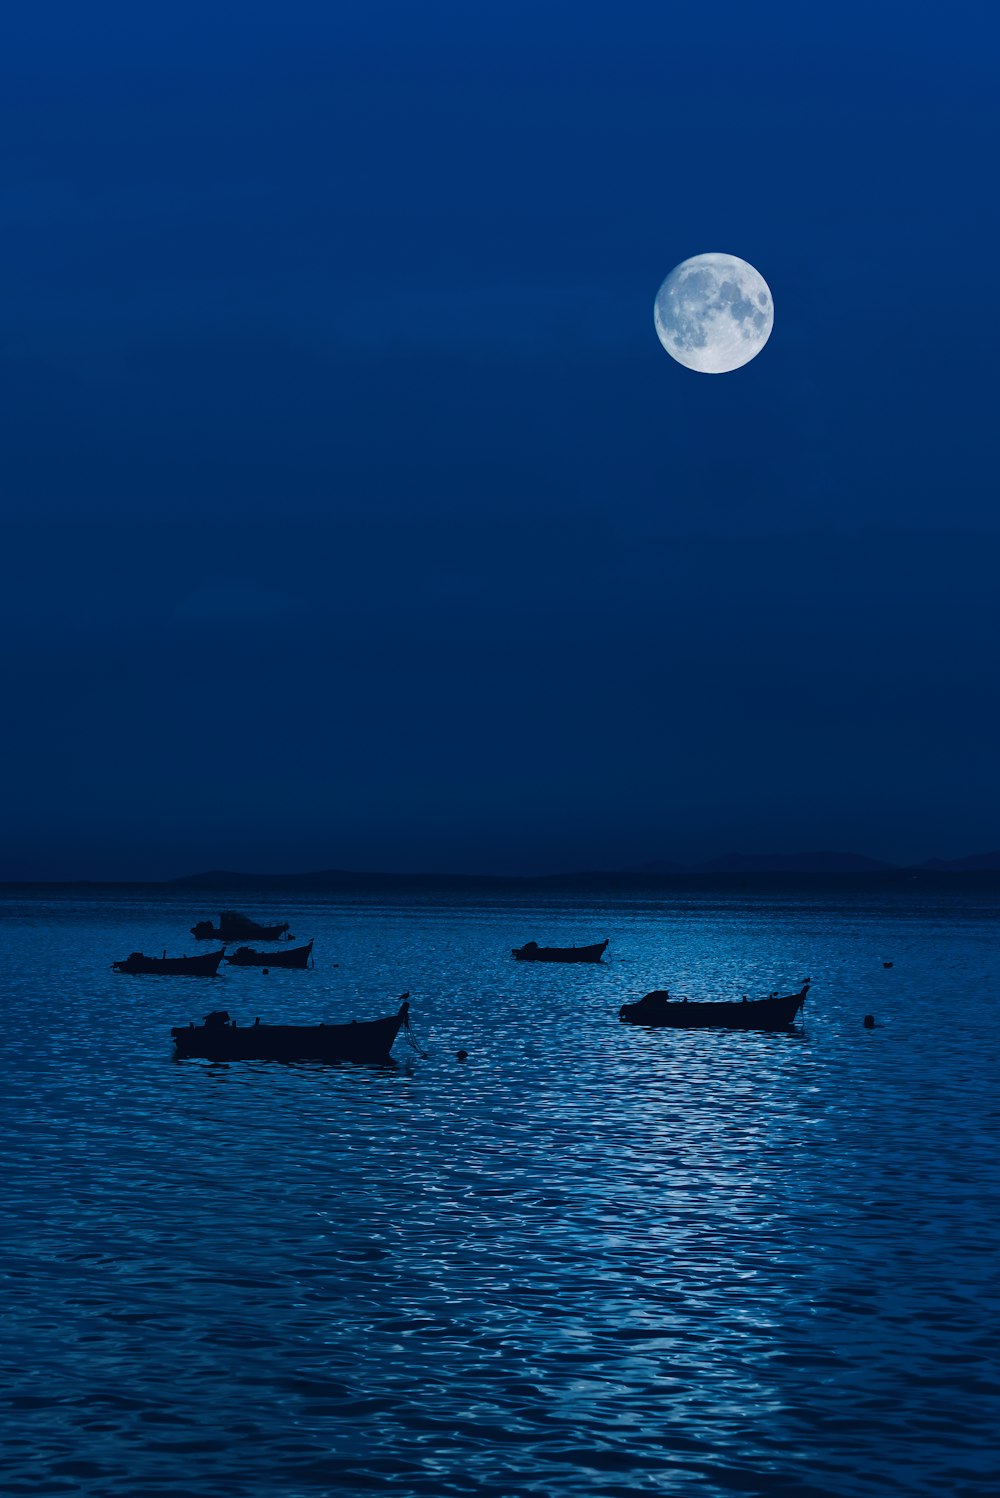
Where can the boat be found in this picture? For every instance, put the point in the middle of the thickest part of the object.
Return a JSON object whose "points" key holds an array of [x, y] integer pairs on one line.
{"points": [[219, 1038], [656, 1009], [205, 966], [532, 952], [235, 927], [282, 957]]}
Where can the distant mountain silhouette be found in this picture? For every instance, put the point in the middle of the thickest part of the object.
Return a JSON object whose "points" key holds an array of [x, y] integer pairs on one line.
{"points": [[976, 863], [728, 866], [661, 866], [771, 863], [741, 870], [319, 879], [794, 863]]}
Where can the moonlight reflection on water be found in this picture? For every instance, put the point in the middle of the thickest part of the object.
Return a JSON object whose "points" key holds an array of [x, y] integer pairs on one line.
{"points": [[589, 1259]]}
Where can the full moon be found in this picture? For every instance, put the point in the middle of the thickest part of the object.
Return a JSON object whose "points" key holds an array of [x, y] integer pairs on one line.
{"points": [[713, 313]]}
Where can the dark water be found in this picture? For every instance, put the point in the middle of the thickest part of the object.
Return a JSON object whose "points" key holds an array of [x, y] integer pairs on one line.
{"points": [[587, 1260]]}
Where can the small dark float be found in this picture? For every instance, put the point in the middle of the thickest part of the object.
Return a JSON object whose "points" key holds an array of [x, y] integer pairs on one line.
{"points": [[773, 1013], [532, 952], [221, 1039], [282, 957], [235, 927], [205, 966]]}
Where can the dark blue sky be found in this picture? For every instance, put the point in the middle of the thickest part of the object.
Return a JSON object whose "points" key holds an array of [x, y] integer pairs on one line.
{"points": [[352, 514]]}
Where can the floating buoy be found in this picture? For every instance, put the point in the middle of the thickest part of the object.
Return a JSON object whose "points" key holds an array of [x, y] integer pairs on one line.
{"points": [[869, 1021], [461, 1055]]}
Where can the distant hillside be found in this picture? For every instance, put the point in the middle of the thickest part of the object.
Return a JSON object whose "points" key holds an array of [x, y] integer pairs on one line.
{"points": [[347, 879], [768, 867], [770, 863], [661, 866], [743, 871], [977, 863], [793, 863]]}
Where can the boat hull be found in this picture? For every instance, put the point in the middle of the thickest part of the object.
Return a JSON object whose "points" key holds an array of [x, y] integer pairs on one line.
{"points": [[365, 1041], [205, 966], [534, 953], [285, 957], [749, 1014]]}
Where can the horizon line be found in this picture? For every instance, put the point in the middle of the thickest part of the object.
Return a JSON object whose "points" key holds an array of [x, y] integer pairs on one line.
{"points": [[820, 864]]}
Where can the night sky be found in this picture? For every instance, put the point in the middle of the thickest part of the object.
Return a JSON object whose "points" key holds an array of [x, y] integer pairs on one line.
{"points": [[352, 514]]}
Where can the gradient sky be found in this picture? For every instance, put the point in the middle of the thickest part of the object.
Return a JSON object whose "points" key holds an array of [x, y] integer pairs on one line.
{"points": [[352, 514]]}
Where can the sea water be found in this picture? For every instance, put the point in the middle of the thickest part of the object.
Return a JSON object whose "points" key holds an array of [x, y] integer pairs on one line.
{"points": [[588, 1259]]}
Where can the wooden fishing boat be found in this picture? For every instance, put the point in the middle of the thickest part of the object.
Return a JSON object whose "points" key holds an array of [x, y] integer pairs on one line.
{"points": [[772, 1013], [205, 966], [235, 927], [532, 952], [280, 957], [221, 1039]]}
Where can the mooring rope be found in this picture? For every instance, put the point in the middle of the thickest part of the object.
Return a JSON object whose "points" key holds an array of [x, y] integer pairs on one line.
{"points": [[411, 1038]]}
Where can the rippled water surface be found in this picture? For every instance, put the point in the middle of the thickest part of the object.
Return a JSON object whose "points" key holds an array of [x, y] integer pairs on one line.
{"points": [[589, 1259]]}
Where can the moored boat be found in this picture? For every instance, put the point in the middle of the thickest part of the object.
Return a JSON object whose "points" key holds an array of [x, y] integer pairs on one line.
{"points": [[280, 957], [656, 1009], [532, 952], [205, 966], [220, 1039], [235, 927]]}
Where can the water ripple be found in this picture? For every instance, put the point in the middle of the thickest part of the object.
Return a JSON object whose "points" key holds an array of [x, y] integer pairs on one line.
{"points": [[588, 1259]]}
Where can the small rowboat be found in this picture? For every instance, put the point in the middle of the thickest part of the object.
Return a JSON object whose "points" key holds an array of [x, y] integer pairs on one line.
{"points": [[532, 952], [280, 957], [235, 927], [221, 1039], [205, 966], [774, 1013]]}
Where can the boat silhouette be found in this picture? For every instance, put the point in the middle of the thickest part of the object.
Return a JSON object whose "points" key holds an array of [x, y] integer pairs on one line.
{"points": [[204, 966], [657, 1010], [219, 1038], [236, 927], [282, 957], [532, 952]]}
